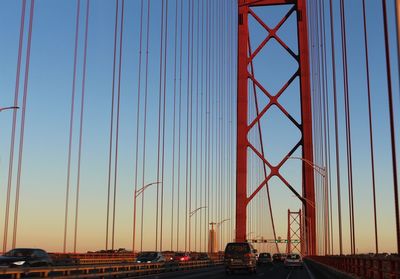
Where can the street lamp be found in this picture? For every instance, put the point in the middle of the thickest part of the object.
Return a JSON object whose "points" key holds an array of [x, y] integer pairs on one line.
{"points": [[137, 194], [223, 221], [141, 190], [220, 231], [193, 212], [323, 172], [196, 210], [6, 108]]}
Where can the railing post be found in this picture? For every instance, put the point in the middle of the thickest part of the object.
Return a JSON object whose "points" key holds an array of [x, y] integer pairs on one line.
{"points": [[380, 269]]}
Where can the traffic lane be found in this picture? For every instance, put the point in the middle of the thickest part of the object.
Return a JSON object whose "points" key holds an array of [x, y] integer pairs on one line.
{"points": [[275, 271], [279, 271]]}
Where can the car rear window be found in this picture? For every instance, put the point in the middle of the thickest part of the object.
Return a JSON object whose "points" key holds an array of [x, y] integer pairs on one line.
{"points": [[148, 255], [293, 257], [20, 253], [237, 248]]}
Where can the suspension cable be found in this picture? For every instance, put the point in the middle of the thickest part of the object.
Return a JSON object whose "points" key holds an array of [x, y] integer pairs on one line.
{"points": [[159, 119], [336, 127], [371, 140], [22, 131], [14, 124], [117, 124], [179, 124], [137, 127], [174, 126], [163, 129], [111, 123], [145, 118], [392, 124], [81, 125]]}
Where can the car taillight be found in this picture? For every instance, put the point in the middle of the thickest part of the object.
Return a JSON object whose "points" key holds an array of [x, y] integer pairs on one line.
{"points": [[182, 259], [247, 255]]}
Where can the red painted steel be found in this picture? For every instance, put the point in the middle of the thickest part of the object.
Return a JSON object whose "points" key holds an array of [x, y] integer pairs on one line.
{"points": [[242, 109], [374, 266], [243, 128]]}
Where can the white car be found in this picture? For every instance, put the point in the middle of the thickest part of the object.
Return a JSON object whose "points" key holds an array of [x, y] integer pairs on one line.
{"points": [[293, 260]]}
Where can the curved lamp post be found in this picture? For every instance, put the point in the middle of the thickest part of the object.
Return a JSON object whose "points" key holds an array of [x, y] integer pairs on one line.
{"points": [[7, 108], [137, 194], [323, 172], [191, 214]]}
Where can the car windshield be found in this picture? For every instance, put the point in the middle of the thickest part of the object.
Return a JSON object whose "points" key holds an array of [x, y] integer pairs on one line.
{"points": [[265, 255], [147, 256], [180, 255], [19, 253], [237, 248], [293, 256]]}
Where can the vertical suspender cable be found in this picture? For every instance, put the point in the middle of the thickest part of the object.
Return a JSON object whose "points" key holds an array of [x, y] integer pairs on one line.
{"points": [[328, 148], [145, 118], [137, 128], [325, 127], [371, 140], [111, 123], [121, 35], [81, 125], [174, 127], [201, 43], [327, 137], [207, 116], [179, 125], [14, 124], [348, 126], [196, 196], [392, 124], [71, 124], [163, 126], [191, 119], [187, 209], [22, 131], [159, 120], [336, 127]]}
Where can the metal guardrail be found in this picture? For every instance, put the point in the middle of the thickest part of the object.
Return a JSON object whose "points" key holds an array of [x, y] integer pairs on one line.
{"points": [[102, 270], [368, 267]]}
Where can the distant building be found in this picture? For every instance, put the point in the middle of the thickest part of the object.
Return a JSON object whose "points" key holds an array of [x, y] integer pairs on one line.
{"points": [[212, 240]]}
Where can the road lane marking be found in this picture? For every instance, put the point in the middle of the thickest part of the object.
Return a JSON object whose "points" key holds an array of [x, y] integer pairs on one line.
{"points": [[308, 271], [290, 273]]}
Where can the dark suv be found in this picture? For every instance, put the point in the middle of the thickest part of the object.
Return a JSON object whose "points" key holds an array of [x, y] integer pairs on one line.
{"points": [[23, 257], [240, 256], [277, 257]]}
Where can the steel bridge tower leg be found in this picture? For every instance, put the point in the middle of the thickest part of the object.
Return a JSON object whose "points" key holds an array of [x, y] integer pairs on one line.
{"points": [[244, 60]]}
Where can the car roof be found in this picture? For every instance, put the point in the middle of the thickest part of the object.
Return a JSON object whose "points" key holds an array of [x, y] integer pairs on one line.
{"points": [[27, 249]]}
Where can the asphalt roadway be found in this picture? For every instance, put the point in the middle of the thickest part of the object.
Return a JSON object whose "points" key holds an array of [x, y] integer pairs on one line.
{"points": [[276, 271]]}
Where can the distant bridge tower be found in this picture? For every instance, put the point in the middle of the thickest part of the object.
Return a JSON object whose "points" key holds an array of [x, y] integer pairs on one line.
{"points": [[244, 126], [294, 234]]}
